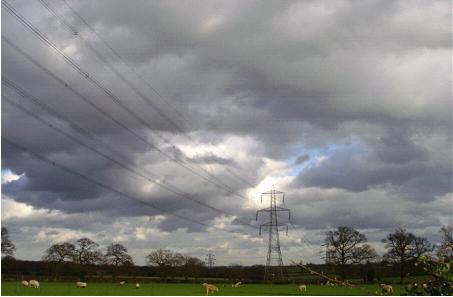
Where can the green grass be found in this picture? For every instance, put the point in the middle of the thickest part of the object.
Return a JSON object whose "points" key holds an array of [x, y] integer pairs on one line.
{"points": [[54, 288]]}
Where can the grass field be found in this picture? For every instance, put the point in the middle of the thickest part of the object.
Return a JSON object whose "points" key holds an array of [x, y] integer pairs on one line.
{"points": [[65, 289]]}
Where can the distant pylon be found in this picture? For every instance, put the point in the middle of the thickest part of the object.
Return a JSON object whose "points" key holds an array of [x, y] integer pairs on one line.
{"points": [[210, 259], [274, 261]]}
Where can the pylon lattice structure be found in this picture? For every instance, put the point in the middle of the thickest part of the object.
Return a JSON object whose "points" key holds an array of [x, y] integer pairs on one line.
{"points": [[274, 262], [210, 259]]}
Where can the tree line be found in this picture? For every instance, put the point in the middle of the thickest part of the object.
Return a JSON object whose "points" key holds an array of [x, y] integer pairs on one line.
{"points": [[345, 248]]}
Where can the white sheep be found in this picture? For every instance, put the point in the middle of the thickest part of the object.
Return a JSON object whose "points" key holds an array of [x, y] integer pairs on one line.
{"points": [[137, 285], [81, 285], [34, 284], [210, 288], [302, 288], [330, 284], [386, 289], [236, 285], [24, 283], [122, 283]]}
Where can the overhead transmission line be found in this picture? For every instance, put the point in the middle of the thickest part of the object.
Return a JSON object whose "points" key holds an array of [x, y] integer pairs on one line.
{"points": [[115, 99], [78, 141], [159, 95], [109, 188], [109, 93], [142, 96]]}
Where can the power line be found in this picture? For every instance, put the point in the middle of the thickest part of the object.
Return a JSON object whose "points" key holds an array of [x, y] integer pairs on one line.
{"points": [[106, 91], [136, 91], [122, 165], [109, 188], [238, 177], [122, 60]]}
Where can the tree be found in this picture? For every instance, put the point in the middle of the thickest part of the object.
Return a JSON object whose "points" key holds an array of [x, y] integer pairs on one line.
{"points": [[421, 247], [57, 254], [86, 252], [160, 258], [445, 250], [404, 247], [191, 266], [8, 247], [164, 260], [363, 254], [117, 255], [345, 245], [60, 252]]}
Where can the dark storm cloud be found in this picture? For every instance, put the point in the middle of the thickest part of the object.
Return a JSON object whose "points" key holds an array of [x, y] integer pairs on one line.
{"points": [[263, 80]]}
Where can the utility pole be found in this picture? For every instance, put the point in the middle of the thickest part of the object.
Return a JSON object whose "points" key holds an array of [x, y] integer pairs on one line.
{"points": [[274, 261], [210, 260]]}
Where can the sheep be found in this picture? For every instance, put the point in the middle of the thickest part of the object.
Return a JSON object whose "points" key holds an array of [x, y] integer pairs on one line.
{"points": [[210, 288], [302, 288], [386, 289], [81, 285], [122, 283], [137, 285], [330, 284], [236, 285], [34, 284], [24, 283]]}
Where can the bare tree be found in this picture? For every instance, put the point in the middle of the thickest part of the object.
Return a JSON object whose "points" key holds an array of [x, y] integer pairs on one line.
{"points": [[60, 252], [160, 258], [164, 260], [421, 247], [87, 252], [404, 247], [117, 255], [345, 243], [8, 247], [191, 266], [445, 250], [57, 254], [363, 254]]}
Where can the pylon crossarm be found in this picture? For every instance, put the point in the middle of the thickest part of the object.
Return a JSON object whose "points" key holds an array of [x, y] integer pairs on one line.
{"points": [[269, 224], [272, 192]]}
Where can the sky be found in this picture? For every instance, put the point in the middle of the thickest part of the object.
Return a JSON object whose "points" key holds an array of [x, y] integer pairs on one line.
{"points": [[158, 124]]}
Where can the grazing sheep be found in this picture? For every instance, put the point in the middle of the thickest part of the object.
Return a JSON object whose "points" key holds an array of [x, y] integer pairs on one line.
{"points": [[236, 285], [24, 283], [34, 284], [330, 284], [210, 288], [122, 283], [81, 285], [386, 289], [137, 285], [302, 288]]}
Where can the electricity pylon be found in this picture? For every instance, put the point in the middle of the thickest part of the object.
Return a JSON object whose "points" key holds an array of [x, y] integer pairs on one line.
{"points": [[210, 259], [274, 261]]}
